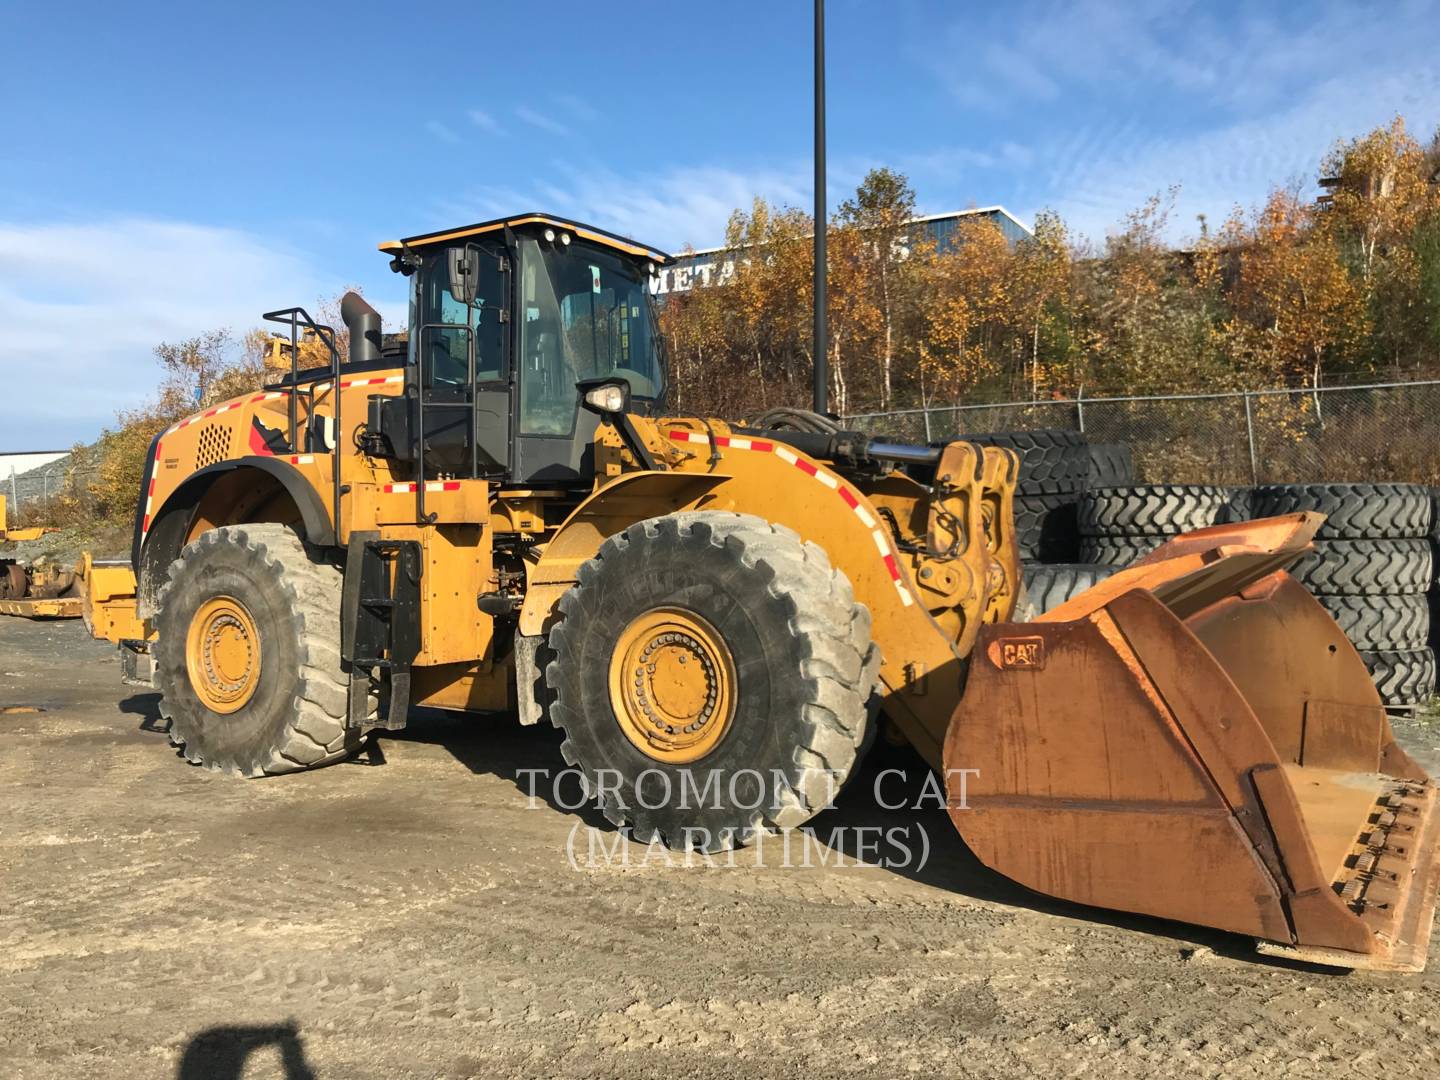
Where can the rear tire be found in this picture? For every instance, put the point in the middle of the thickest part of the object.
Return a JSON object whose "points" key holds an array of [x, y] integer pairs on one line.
{"points": [[794, 641], [294, 705]]}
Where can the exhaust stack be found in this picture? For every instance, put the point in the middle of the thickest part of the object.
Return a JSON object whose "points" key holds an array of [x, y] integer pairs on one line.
{"points": [[363, 322]]}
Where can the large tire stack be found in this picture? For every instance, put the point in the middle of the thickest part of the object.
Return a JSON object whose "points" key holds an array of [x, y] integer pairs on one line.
{"points": [[1079, 517], [1121, 524], [1054, 472], [1372, 569]]}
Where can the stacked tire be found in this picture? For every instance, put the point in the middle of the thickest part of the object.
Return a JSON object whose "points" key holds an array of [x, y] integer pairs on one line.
{"points": [[1054, 472], [1434, 593], [1121, 524], [1047, 586], [1372, 569]]}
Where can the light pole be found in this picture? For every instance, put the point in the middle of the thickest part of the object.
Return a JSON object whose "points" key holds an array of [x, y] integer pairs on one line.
{"points": [[822, 387]]}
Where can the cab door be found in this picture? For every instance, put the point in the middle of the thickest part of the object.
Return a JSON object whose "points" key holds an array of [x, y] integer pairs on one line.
{"points": [[464, 365], [490, 324]]}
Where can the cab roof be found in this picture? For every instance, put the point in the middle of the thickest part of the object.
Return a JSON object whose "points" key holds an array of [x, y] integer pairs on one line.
{"points": [[585, 232]]}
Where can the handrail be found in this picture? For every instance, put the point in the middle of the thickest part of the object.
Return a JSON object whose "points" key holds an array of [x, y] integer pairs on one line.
{"points": [[294, 317]]}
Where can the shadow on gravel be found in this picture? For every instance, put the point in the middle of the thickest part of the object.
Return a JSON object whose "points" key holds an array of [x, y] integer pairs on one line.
{"points": [[147, 707], [221, 1053], [951, 866], [495, 744]]}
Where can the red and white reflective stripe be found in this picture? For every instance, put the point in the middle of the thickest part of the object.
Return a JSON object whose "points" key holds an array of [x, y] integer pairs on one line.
{"points": [[829, 479], [430, 485], [150, 492], [345, 384], [301, 459], [253, 399]]}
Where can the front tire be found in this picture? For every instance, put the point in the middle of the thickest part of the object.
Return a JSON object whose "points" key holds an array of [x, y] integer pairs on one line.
{"points": [[248, 660], [714, 678]]}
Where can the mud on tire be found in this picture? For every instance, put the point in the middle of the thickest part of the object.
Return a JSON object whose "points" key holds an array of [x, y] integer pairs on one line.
{"points": [[806, 670], [296, 716]]}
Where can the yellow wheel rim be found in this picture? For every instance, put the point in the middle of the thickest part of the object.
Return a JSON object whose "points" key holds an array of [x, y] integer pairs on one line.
{"points": [[222, 653], [672, 685]]}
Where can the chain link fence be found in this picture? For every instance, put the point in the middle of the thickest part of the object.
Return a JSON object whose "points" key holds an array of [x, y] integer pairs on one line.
{"points": [[1382, 432], [38, 484]]}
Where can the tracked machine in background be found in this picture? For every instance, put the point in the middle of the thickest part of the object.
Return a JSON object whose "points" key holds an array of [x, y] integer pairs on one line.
{"points": [[512, 519]]}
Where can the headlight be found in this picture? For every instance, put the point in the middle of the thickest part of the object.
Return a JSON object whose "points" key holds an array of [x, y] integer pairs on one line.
{"points": [[609, 398]]}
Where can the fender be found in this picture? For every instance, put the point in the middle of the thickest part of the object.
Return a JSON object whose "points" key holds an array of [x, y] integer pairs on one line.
{"points": [[613, 508], [159, 535]]}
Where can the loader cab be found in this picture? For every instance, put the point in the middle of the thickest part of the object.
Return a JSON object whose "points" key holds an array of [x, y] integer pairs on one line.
{"points": [[505, 320]]}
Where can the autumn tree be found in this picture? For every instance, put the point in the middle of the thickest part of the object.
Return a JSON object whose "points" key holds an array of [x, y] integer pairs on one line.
{"points": [[968, 326], [1287, 294], [1296, 310], [1042, 302], [1382, 214], [878, 219]]}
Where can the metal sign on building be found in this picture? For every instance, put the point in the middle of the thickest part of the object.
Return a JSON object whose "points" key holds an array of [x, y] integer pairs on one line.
{"points": [[716, 266]]}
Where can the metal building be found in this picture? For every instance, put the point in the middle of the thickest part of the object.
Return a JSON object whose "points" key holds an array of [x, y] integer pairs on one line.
{"points": [[716, 266]]}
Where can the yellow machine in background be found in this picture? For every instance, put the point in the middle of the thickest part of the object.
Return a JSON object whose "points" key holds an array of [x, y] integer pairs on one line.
{"points": [[511, 519], [42, 591]]}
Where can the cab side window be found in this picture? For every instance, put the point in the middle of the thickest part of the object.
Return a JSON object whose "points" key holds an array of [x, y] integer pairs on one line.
{"points": [[450, 328], [489, 313]]}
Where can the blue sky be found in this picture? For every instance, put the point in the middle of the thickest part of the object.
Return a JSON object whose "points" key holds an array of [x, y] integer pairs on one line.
{"points": [[170, 168]]}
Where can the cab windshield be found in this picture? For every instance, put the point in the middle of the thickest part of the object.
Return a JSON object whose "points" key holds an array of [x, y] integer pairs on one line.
{"points": [[584, 313]]}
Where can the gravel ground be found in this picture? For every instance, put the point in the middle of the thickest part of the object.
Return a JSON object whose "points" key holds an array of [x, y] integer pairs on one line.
{"points": [[416, 914]]}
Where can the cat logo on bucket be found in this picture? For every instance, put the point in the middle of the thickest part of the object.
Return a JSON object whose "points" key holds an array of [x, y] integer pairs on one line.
{"points": [[1018, 652]]}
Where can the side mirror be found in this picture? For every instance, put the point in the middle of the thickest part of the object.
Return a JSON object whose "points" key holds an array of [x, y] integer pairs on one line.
{"points": [[464, 272]]}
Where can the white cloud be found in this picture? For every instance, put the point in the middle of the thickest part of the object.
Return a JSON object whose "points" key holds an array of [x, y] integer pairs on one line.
{"points": [[486, 122], [1095, 181], [441, 131], [83, 305], [541, 121], [1115, 102], [670, 208]]}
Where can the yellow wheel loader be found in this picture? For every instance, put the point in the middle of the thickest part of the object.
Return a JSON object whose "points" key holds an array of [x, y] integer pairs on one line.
{"points": [[509, 518]]}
